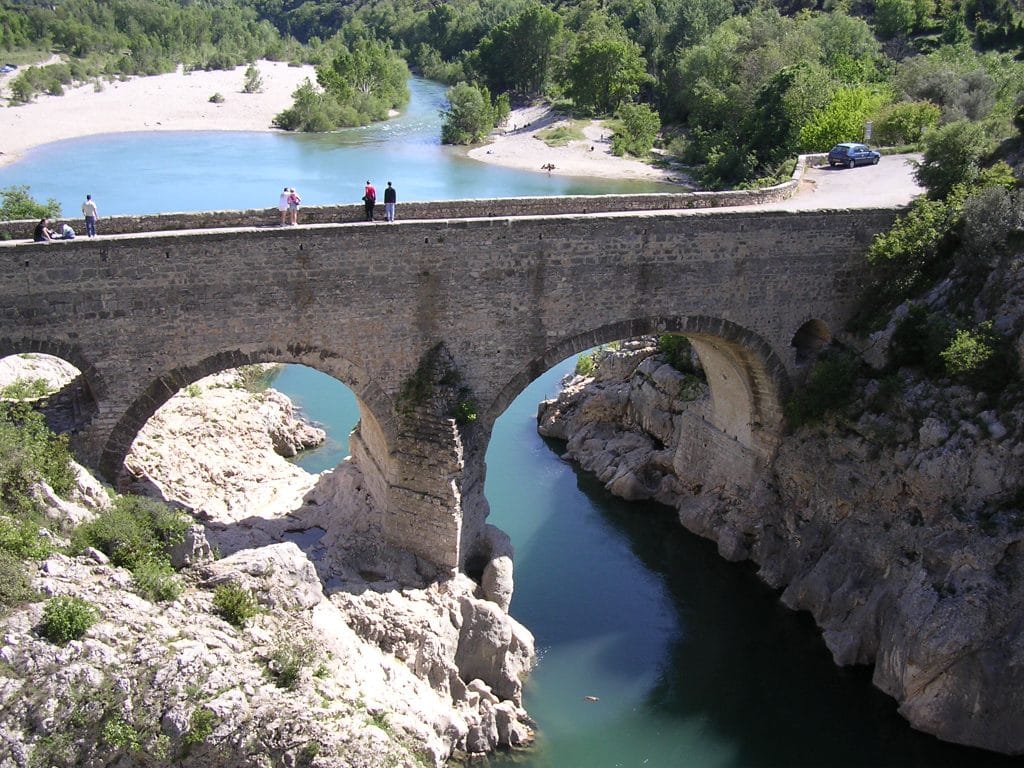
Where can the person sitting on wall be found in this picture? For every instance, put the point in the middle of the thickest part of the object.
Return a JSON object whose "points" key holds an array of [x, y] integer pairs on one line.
{"points": [[66, 232], [42, 233]]}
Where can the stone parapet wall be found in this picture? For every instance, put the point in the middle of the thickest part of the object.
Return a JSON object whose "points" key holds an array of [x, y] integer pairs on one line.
{"points": [[445, 209]]}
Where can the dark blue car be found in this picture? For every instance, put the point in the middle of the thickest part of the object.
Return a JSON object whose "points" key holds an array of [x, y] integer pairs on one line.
{"points": [[851, 154]]}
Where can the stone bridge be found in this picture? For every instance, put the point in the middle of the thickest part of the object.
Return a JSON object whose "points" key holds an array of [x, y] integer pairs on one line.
{"points": [[429, 319]]}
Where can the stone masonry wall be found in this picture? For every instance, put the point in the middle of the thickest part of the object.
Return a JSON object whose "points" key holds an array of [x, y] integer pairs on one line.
{"points": [[143, 317]]}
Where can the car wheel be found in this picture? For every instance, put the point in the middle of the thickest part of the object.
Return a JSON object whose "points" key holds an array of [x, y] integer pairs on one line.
{"points": [[875, 161], [850, 163]]}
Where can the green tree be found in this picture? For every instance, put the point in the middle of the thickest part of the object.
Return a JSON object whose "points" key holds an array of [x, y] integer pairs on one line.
{"points": [[952, 157], [842, 119], [469, 115], [640, 126], [368, 78], [605, 72], [517, 54], [905, 123], [311, 111], [894, 18], [253, 82], [783, 105], [17, 203]]}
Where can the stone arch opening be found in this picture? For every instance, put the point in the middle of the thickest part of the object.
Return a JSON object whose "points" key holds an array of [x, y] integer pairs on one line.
{"points": [[747, 378], [729, 442], [377, 426], [54, 378], [808, 341]]}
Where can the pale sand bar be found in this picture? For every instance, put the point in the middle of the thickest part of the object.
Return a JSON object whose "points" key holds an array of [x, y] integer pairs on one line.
{"points": [[516, 145], [172, 102]]}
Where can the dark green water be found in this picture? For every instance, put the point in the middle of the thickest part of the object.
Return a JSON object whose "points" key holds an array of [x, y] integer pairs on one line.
{"points": [[693, 660]]}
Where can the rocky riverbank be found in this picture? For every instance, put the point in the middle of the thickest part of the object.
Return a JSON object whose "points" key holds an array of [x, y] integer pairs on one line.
{"points": [[898, 524], [384, 669]]}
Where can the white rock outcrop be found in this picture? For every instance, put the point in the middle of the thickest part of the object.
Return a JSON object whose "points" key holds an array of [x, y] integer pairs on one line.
{"points": [[388, 670], [901, 531]]}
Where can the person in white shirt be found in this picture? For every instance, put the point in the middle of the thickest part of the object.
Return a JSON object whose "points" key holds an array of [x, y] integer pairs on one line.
{"points": [[91, 213]]}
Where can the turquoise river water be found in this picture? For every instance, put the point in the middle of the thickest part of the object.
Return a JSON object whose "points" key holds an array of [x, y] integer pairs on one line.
{"points": [[693, 661]]}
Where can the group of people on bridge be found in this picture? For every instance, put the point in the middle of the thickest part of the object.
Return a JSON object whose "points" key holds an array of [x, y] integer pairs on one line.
{"points": [[44, 234], [288, 203]]}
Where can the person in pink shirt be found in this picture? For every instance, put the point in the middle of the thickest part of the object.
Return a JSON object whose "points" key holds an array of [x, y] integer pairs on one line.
{"points": [[369, 200]]}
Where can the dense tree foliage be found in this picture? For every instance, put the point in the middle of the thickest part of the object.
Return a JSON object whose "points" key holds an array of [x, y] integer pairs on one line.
{"points": [[470, 115], [517, 54], [605, 72]]}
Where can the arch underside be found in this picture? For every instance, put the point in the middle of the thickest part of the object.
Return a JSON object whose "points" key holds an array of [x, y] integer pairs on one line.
{"points": [[69, 352], [374, 403], [747, 378]]}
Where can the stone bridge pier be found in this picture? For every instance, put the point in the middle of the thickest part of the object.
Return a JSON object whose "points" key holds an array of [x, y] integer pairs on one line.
{"points": [[437, 325]]}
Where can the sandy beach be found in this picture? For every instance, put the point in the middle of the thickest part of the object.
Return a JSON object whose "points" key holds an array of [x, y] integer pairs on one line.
{"points": [[173, 102], [517, 145], [180, 101]]}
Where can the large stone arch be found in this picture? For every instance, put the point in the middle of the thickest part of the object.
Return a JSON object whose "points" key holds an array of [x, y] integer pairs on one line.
{"points": [[375, 406], [731, 444], [758, 373]]}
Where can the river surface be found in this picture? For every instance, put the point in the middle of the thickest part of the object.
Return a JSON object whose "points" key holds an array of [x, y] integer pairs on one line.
{"points": [[692, 660], [130, 173]]}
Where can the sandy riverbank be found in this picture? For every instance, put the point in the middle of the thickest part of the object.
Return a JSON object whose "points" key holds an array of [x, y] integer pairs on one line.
{"points": [[517, 145], [173, 102]]}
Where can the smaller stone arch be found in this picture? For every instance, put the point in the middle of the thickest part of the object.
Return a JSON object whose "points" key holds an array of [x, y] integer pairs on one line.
{"points": [[808, 341], [71, 409], [70, 352], [374, 404]]}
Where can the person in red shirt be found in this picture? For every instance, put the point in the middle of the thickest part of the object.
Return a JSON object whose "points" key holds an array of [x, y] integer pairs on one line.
{"points": [[369, 200]]}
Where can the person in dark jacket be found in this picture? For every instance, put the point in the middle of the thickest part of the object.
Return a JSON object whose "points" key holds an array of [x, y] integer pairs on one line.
{"points": [[390, 198]]}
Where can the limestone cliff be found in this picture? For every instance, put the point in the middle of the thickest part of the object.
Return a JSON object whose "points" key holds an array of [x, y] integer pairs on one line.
{"points": [[898, 524], [388, 669]]}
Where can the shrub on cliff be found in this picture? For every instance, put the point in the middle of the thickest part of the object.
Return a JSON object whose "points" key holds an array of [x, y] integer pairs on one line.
{"points": [[980, 357], [679, 353], [15, 582], [155, 581], [29, 453], [235, 604], [915, 251], [829, 387], [136, 533], [133, 531], [918, 340], [287, 661], [66, 618]]}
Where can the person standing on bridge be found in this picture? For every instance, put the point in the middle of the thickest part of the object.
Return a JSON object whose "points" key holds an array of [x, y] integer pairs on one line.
{"points": [[282, 206], [390, 198], [369, 200], [293, 205], [91, 213]]}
